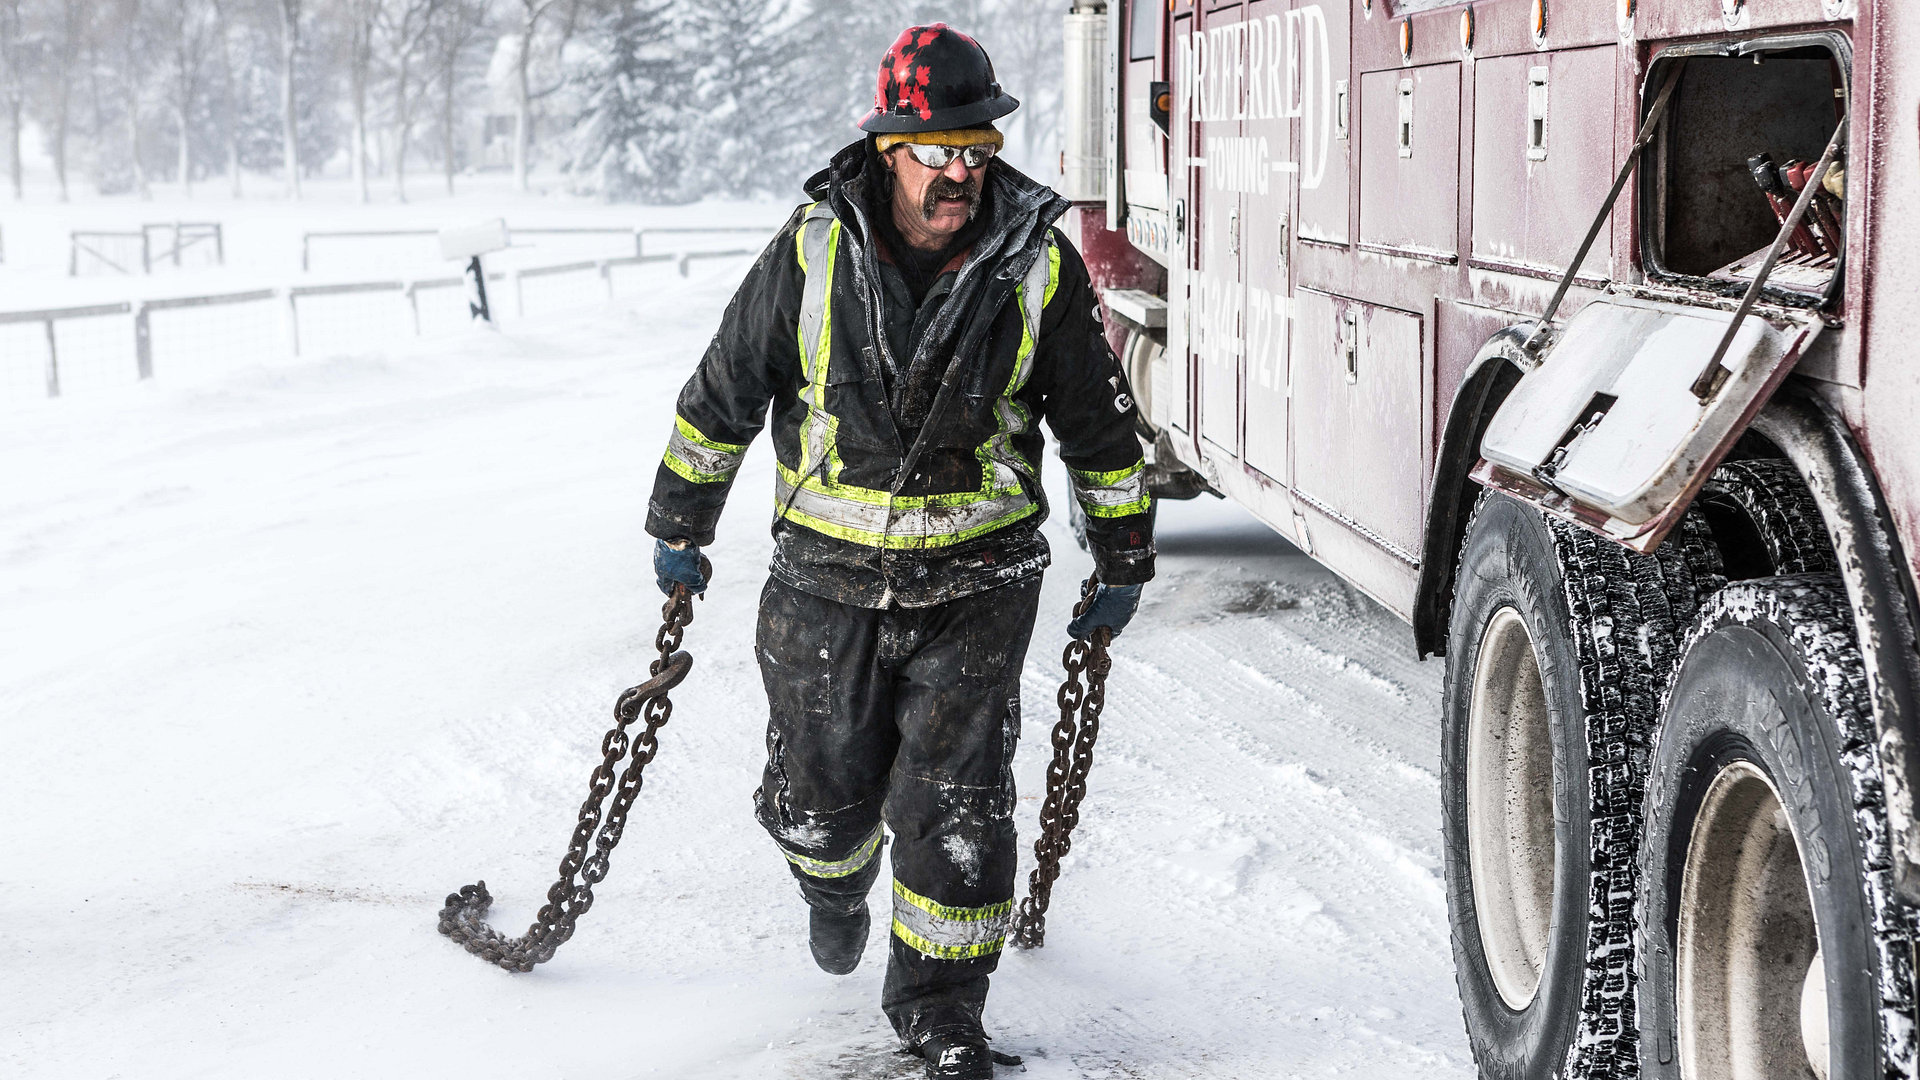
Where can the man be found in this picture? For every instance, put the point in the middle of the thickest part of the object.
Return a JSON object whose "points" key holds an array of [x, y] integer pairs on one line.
{"points": [[909, 329]]}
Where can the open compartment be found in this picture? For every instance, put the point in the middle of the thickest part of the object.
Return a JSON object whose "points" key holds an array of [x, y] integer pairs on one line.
{"points": [[1747, 125]]}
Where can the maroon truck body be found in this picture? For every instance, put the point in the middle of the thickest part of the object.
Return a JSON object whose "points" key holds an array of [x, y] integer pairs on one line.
{"points": [[1345, 224]]}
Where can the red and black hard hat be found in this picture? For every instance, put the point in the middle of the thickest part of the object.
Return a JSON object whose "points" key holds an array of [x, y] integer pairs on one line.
{"points": [[936, 78]]}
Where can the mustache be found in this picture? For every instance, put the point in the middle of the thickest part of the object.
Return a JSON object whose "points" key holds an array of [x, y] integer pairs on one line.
{"points": [[943, 188]]}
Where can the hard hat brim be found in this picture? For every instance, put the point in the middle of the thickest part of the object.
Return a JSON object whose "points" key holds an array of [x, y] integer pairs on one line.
{"points": [[979, 112]]}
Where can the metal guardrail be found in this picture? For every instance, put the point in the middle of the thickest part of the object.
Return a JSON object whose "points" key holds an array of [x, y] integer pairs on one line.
{"points": [[142, 311]]}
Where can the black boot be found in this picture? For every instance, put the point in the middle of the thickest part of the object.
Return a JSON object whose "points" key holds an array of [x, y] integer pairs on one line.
{"points": [[838, 939], [958, 1055]]}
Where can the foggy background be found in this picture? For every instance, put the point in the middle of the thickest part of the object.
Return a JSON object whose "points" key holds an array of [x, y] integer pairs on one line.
{"points": [[658, 101]]}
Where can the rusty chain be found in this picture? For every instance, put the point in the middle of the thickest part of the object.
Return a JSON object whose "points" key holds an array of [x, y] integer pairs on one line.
{"points": [[1073, 739], [463, 919]]}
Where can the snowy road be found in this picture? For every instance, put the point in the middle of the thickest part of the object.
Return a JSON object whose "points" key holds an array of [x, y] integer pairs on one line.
{"points": [[292, 654]]}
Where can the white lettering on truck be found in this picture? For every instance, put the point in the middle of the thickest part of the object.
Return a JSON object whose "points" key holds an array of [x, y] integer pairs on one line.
{"points": [[1275, 68]]}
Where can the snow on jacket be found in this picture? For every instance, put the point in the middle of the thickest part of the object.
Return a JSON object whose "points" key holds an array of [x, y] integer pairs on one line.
{"points": [[1018, 340]]}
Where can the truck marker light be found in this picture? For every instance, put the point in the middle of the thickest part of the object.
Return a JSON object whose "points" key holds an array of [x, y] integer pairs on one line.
{"points": [[1539, 22], [1406, 38], [1627, 10], [1466, 31]]}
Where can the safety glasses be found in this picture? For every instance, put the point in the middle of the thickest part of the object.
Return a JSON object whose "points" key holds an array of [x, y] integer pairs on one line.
{"points": [[939, 157]]}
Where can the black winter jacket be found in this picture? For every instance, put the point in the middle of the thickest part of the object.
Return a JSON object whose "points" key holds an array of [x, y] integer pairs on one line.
{"points": [[755, 362]]}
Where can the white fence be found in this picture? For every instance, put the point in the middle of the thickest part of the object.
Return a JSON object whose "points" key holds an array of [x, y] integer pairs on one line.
{"points": [[402, 245], [176, 244], [57, 351]]}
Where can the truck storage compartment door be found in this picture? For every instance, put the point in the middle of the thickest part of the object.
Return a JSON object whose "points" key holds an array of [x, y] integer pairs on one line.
{"points": [[1607, 432]]}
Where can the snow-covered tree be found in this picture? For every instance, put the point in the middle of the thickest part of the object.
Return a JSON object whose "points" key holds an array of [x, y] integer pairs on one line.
{"points": [[455, 58], [190, 29], [637, 136], [547, 25], [15, 50], [291, 12], [404, 26]]}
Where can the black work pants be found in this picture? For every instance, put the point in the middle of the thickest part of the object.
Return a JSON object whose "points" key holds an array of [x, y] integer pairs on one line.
{"points": [[908, 716]]}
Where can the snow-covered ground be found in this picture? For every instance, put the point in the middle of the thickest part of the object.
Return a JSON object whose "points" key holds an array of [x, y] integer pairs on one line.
{"points": [[293, 652]]}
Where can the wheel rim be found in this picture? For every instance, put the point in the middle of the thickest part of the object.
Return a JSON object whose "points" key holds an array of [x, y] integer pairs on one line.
{"points": [[1510, 833], [1750, 989]]}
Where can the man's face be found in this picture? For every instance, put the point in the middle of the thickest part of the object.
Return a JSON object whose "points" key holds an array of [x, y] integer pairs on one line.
{"points": [[944, 199]]}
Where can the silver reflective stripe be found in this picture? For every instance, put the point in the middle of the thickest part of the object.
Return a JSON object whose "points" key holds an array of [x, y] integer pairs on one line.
{"points": [[836, 868], [948, 933], [1112, 494], [872, 518], [819, 247], [698, 459], [819, 232]]}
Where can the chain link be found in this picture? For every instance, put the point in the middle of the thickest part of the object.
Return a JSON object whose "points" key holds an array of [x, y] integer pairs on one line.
{"points": [[463, 919], [1073, 739]]}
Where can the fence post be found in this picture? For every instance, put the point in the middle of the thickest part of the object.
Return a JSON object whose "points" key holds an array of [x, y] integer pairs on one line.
{"points": [[219, 244], [142, 342], [293, 320], [413, 301], [639, 242], [53, 363], [73, 255], [519, 295], [606, 276], [146, 254], [305, 239]]}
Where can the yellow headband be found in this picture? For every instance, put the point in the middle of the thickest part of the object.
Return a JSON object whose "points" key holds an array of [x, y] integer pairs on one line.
{"points": [[959, 137]]}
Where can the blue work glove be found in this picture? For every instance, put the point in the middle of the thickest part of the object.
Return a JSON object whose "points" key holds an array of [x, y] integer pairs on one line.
{"points": [[1113, 607], [681, 566]]}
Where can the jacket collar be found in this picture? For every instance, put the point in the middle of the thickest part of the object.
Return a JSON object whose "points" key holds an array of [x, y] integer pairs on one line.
{"points": [[1019, 210]]}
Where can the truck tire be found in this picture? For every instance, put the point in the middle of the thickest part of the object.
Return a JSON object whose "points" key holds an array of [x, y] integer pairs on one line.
{"points": [[1558, 644], [1766, 520], [1767, 945]]}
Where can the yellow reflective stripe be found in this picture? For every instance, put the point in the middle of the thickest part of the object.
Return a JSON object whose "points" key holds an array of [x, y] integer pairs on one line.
{"points": [[695, 435], [837, 868], [799, 238], [1053, 271], [949, 933], [1107, 479], [1114, 494], [824, 351]]}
